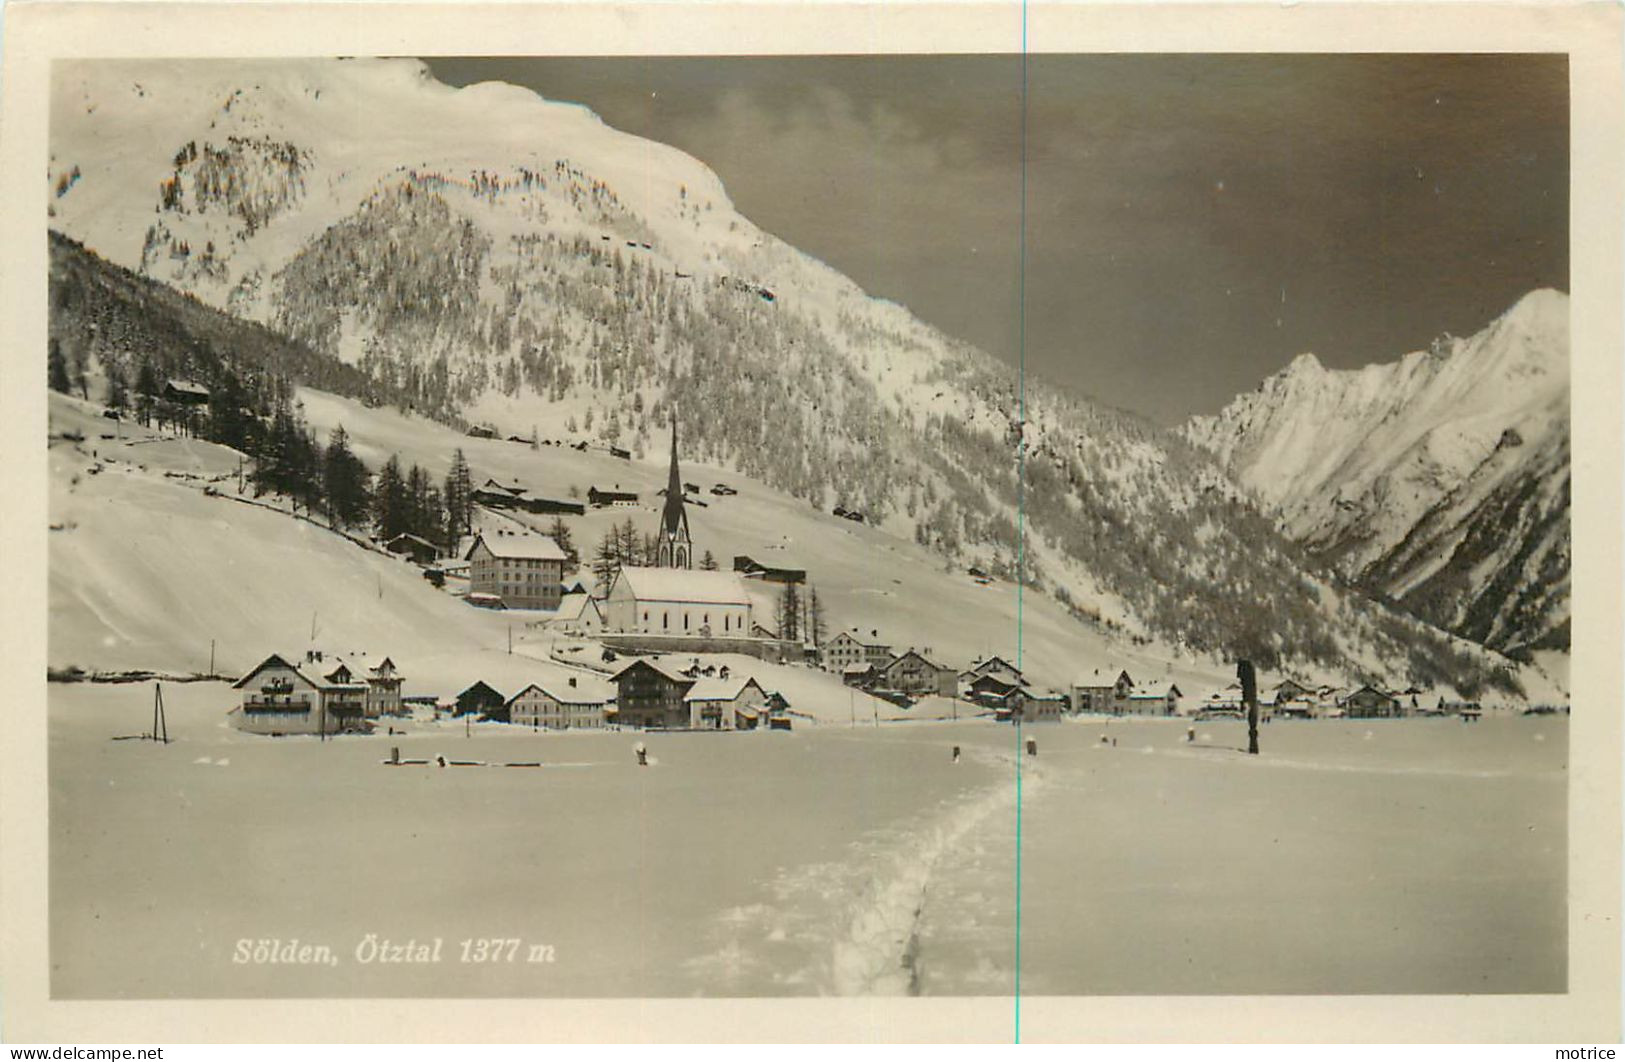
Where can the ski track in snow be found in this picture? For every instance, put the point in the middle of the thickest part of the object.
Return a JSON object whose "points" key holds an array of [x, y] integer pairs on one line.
{"points": [[871, 944]]}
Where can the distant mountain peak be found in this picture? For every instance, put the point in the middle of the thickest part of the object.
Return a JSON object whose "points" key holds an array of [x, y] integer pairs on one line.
{"points": [[1439, 477]]}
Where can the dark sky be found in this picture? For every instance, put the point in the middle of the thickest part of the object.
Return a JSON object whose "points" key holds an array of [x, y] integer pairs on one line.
{"points": [[1191, 222]]}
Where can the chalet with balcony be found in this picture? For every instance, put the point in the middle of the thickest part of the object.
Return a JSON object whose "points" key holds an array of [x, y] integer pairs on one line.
{"points": [[651, 697], [279, 697], [913, 674]]}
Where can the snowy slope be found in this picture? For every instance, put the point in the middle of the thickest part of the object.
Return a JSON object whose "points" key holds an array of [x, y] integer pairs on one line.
{"points": [[1439, 480]]}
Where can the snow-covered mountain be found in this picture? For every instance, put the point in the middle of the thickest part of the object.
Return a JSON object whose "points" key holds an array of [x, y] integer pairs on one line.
{"points": [[1440, 480], [485, 255]]}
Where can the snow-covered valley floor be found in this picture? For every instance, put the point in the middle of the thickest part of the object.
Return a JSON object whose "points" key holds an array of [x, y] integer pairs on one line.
{"points": [[1416, 856]]}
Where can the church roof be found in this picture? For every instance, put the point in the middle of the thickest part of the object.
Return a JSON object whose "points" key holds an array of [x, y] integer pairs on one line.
{"points": [[678, 584]]}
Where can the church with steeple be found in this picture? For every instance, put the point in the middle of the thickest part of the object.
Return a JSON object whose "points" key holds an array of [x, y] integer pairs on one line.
{"points": [[670, 598], [675, 549]]}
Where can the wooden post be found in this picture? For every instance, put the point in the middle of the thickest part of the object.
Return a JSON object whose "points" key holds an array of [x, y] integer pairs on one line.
{"points": [[211, 658], [1249, 697]]}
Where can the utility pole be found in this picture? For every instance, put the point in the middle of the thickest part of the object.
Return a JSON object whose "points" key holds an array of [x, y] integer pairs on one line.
{"points": [[211, 658]]}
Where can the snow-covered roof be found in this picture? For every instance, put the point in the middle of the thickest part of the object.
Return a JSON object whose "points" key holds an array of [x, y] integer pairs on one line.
{"points": [[719, 689], [1154, 693], [518, 547], [574, 606], [898, 659], [659, 667], [676, 584], [585, 691], [1102, 678], [408, 536], [187, 387], [274, 660], [515, 489]]}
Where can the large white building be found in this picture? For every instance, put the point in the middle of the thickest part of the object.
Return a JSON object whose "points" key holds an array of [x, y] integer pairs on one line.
{"points": [[523, 571], [698, 604], [554, 705]]}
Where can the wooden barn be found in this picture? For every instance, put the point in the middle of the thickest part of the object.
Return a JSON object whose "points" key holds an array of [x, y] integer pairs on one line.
{"points": [[481, 699], [416, 549]]}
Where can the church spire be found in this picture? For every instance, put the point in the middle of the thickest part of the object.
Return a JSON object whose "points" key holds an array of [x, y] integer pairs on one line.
{"points": [[675, 549]]}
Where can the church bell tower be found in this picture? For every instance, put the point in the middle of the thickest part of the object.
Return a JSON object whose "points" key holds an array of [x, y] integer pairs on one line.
{"points": [[675, 550]]}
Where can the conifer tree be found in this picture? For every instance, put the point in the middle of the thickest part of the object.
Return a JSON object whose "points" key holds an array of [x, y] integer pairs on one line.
{"points": [[345, 481], [559, 531], [459, 499], [606, 560], [389, 501], [815, 617], [789, 613]]}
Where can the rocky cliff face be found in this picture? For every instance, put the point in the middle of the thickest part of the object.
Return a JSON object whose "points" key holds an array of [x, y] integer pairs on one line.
{"points": [[1440, 481]]}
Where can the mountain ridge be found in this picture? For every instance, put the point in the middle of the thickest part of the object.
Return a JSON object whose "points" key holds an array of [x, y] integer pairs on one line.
{"points": [[1393, 472]]}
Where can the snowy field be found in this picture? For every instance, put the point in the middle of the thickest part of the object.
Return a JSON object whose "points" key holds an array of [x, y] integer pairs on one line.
{"points": [[1351, 857]]}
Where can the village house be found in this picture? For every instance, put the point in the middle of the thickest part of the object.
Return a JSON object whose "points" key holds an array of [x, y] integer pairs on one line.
{"points": [[860, 674], [1368, 702], [1094, 694], [1042, 706], [675, 601], [416, 549], [521, 571], [752, 569], [481, 699], [282, 698], [850, 647], [185, 393], [1024, 704], [553, 705], [578, 614], [603, 499], [997, 667], [725, 703], [1289, 691], [383, 679], [650, 697], [912, 673], [1154, 700], [992, 691]]}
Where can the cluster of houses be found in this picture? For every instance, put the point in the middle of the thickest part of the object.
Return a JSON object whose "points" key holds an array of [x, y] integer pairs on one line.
{"points": [[670, 607], [334, 693]]}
